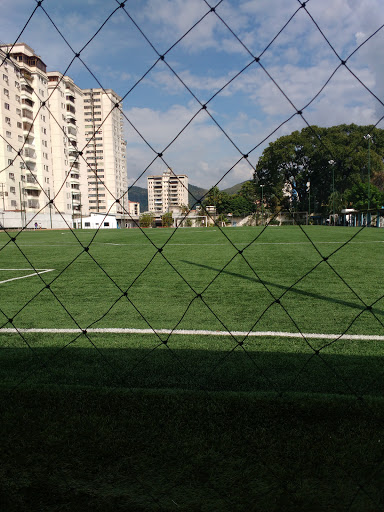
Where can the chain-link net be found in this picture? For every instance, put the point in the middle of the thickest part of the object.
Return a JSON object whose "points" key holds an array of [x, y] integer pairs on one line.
{"points": [[249, 325]]}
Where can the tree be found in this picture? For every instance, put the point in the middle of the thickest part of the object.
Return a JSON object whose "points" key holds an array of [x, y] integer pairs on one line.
{"points": [[167, 220], [288, 164], [146, 220], [357, 197]]}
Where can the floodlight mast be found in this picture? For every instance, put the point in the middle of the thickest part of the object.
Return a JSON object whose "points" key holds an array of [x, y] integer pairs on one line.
{"points": [[368, 137], [262, 204], [332, 163]]}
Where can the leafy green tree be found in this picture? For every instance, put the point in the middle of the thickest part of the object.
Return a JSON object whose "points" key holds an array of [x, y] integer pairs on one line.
{"points": [[357, 197], [240, 206], [288, 164], [146, 220], [167, 220]]}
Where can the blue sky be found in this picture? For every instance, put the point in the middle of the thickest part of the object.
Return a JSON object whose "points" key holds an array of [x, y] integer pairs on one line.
{"points": [[250, 108]]}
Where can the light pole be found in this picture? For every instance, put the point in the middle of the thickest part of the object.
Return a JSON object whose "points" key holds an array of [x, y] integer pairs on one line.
{"points": [[309, 199], [262, 204], [368, 137], [332, 163]]}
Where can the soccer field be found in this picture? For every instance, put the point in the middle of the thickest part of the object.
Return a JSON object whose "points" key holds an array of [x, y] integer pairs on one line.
{"points": [[234, 309], [193, 370]]}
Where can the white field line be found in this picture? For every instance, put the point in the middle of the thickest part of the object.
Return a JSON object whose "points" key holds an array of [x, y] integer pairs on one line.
{"points": [[275, 334], [246, 243], [75, 244], [40, 271]]}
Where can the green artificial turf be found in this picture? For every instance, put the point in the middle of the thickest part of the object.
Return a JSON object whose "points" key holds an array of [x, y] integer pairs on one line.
{"points": [[146, 421]]}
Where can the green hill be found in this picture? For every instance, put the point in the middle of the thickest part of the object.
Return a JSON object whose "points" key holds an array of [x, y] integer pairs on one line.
{"points": [[197, 192], [140, 195], [235, 189]]}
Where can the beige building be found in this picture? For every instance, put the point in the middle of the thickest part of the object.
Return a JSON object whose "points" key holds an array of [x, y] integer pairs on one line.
{"points": [[26, 172], [58, 143], [67, 140], [105, 152], [167, 191]]}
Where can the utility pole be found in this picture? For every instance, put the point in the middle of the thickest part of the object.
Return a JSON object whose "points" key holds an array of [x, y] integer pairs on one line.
{"points": [[332, 163], [368, 137], [262, 204]]}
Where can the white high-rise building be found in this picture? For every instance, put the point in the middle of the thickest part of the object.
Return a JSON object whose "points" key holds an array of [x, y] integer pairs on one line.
{"points": [[58, 143], [68, 139], [26, 173], [105, 152], [166, 191]]}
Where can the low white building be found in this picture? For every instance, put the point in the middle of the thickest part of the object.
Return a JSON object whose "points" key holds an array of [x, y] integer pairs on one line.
{"points": [[98, 220]]}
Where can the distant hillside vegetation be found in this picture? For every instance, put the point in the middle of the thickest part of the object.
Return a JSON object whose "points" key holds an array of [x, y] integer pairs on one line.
{"points": [[197, 192], [140, 195], [235, 189]]}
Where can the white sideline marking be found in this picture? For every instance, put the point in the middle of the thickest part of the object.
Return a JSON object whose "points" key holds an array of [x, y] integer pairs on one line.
{"points": [[40, 271], [276, 334]]}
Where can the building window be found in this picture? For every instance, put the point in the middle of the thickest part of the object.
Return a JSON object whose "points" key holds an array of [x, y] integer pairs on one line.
{"points": [[12, 190], [10, 161], [87, 224], [8, 134], [19, 125], [11, 176], [9, 148], [106, 224], [13, 203], [6, 106]]}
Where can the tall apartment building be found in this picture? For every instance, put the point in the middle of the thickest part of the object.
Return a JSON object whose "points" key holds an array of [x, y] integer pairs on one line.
{"points": [[58, 141], [105, 152], [67, 140], [167, 190], [26, 172]]}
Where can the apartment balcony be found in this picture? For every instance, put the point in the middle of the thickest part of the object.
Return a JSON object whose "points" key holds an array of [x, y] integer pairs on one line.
{"points": [[30, 142], [29, 154], [74, 177], [33, 203], [71, 119], [28, 114], [70, 99], [25, 88], [72, 137], [70, 109], [26, 75], [26, 101], [28, 127], [31, 187], [69, 89]]}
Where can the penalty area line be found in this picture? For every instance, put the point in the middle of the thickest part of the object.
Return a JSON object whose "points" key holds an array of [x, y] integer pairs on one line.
{"points": [[40, 271], [259, 334]]}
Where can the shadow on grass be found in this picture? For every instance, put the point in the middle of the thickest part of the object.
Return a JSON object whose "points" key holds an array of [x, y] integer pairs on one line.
{"points": [[130, 429], [317, 296], [238, 370]]}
